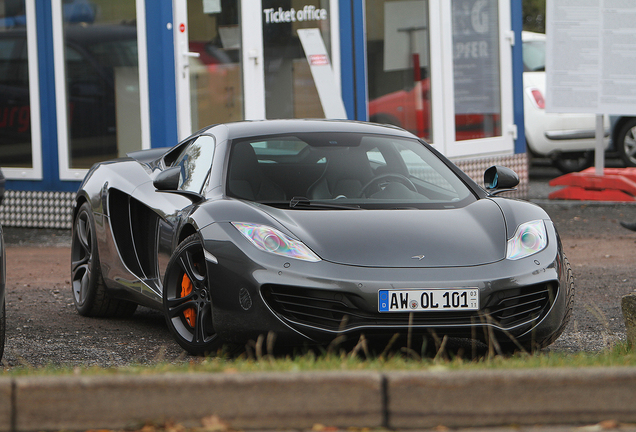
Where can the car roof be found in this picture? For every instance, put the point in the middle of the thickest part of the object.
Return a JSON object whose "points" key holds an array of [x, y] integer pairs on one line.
{"points": [[290, 126]]}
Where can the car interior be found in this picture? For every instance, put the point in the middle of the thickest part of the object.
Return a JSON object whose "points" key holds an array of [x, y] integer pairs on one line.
{"points": [[344, 169]]}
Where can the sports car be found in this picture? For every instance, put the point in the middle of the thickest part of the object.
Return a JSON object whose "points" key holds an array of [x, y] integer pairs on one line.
{"points": [[312, 230]]}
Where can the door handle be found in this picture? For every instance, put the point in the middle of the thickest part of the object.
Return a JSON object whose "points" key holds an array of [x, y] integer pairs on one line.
{"points": [[188, 55], [253, 55]]}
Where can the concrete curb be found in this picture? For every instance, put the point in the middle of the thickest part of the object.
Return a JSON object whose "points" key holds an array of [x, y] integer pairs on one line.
{"points": [[299, 400]]}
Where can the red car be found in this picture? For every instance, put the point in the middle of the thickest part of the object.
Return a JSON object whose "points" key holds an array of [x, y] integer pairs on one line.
{"points": [[400, 109]]}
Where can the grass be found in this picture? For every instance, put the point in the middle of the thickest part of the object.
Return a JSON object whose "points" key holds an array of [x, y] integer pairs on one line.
{"points": [[620, 355]]}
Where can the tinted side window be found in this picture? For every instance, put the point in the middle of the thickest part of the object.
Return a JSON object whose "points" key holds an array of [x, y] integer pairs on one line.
{"points": [[195, 163]]}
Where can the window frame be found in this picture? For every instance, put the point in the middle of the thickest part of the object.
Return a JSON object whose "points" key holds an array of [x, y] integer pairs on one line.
{"points": [[442, 92], [67, 173], [35, 171]]}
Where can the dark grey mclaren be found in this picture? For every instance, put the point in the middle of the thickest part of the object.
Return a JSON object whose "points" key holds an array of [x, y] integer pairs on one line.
{"points": [[312, 229]]}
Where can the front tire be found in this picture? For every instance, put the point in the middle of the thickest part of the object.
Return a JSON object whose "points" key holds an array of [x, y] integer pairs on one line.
{"points": [[187, 299], [89, 291]]}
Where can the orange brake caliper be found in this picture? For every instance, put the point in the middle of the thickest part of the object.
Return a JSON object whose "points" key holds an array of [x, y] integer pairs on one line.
{"points": [[186, 288]]}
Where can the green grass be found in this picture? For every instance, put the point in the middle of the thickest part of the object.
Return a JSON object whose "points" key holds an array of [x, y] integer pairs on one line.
{"points": [[620, 354]]}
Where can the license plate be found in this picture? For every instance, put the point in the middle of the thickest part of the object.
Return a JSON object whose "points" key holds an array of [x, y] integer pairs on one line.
{"points": [[433, 300]]}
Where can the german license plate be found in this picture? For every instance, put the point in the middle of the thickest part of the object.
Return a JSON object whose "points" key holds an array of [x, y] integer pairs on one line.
{"points": [[433, 300]]}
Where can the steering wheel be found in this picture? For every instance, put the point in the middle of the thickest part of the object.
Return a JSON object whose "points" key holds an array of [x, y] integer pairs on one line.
{"points": [[378, 180]]}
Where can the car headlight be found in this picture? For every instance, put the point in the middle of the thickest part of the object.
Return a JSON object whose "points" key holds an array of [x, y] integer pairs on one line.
{"points": [[271, 240], [530, 238]]}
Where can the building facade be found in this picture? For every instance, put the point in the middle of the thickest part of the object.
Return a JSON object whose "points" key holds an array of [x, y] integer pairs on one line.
{"points": [[83, 81]]}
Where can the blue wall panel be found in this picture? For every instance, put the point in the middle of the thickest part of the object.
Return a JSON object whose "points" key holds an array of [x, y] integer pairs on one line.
{"points": [[360, 65], [517, 75], [347, 57], [161, 73], [353, 58]]}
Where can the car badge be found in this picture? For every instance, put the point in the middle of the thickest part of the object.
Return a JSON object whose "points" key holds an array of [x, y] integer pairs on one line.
{"points": [[418, 257]]}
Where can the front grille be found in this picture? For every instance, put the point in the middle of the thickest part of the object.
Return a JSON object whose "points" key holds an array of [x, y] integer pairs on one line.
{"points": [[521, 305], [337, 311]]}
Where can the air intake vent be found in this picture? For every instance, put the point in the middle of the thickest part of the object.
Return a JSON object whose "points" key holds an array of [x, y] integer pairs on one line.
{"points": [[335, 311]]}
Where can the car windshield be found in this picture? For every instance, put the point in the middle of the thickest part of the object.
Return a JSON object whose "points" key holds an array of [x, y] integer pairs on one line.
{"points": [[342, 171], [534, 56]]}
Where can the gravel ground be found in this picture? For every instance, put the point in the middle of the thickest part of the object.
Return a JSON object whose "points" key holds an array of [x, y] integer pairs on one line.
{"points": [[44, 328]]}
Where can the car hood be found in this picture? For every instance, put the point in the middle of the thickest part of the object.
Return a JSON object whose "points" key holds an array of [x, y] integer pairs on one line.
{"points": [[468, 236]]}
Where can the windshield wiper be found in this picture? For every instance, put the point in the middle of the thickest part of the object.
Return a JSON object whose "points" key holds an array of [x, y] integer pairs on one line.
{"points": [[304, 202]]}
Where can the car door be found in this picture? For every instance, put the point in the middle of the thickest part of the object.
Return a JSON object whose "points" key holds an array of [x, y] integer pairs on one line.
{"points": [[156, 216]]}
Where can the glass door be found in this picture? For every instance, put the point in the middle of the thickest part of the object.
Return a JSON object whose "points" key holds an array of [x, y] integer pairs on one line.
{"points": [[299, 75], [461, 103], [101, 82], [208, 63], [398, 59], [480, 38], [255, 59]]}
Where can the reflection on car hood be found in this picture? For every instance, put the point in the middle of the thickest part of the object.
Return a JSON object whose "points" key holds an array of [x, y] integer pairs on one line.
{"points": [[468, 236]]}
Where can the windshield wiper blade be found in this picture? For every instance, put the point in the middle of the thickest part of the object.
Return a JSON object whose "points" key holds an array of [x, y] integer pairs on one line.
{"points": [[299, 200], [306, 202]]}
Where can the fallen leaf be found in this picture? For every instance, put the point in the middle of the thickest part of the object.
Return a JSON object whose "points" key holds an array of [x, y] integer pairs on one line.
{"points": [[214, 423], [317, 427], [609, 424]]}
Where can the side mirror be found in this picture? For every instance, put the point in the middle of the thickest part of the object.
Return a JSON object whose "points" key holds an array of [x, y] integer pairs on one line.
{"points": [[499, 179], [168, 179]]}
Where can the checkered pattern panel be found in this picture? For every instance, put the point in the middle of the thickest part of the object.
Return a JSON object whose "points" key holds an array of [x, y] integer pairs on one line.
{"points": [[31, 209], [475, 169]]}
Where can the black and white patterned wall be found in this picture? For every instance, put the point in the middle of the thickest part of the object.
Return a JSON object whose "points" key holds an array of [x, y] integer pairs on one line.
{"points": [[31, 209], [54, 209], [475, 169]]}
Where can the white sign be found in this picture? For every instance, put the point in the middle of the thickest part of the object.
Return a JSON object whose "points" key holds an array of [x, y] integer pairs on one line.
{"points": [[321, 71], [307, 13], [591, 56]]}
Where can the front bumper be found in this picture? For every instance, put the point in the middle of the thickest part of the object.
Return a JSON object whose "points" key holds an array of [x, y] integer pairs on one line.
{"points": [[255, 293]]}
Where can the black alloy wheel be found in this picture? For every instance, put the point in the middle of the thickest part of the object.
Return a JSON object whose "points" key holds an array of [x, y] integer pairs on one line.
{"points": [[187, 299], [89, 291]]}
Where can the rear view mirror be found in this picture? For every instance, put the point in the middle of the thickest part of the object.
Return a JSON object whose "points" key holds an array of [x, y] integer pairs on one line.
{"points": [[499, 179], [168, 179]]}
